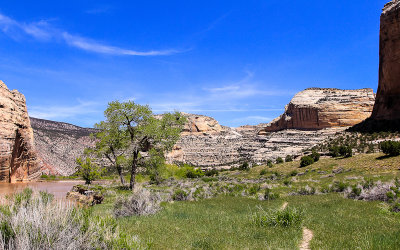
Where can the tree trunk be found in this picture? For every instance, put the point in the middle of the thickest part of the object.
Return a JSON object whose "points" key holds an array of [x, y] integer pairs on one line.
{"points": [[119, 170], [133, 170]]}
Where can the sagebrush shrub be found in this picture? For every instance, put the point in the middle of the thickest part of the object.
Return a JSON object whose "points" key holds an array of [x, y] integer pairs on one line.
{"points": [[141, 202], [31, 220], [391, 148], [180, 195]]}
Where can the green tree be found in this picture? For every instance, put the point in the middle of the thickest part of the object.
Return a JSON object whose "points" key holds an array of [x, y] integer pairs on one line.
{"points": [[88, 170], [111, 143], [279, 160], [143, 130]]}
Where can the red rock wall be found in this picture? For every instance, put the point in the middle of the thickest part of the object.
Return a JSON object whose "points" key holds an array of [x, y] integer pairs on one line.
{"points": [[18, 160], [387, 105]]}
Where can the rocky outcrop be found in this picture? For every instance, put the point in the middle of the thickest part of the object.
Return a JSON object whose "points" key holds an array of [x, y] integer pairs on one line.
{"points": [[201, 124], [387, 105], [18, 160], [316, 108], [232, 146], [59, 144]]}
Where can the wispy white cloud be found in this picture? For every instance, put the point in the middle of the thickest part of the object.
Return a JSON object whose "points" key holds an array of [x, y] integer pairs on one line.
{"points": [[43, 31], [62, 112]]}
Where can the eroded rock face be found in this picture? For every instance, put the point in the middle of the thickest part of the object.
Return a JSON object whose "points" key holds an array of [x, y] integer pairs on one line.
{"points": [[18, 159], [316, 108], [387, 106], [232, 146], [59, 144]]}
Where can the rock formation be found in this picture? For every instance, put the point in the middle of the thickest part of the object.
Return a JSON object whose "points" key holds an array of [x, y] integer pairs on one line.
{"points": [[18, 161], [59, 144], [231, 146], [316, 108], [387, 105]]}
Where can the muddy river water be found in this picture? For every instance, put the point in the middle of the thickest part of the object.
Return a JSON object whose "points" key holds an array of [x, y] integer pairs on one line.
{"points": [[58, 188]]}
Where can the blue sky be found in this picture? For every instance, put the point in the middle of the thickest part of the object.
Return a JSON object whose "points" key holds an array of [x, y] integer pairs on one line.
{"points": [[237, 61]]}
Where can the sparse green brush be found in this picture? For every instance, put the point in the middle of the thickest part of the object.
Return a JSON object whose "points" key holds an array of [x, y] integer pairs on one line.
{"points": [[270, 164], [306, 161], [263, 172], [279, 217], [279, 160], [180, 195], [288, 158], [390, 148]]}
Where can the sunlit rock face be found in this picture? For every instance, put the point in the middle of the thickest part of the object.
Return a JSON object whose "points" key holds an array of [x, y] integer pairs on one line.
{"points": [[317, 108], [226, 147], [18, 159], [387, 105]]}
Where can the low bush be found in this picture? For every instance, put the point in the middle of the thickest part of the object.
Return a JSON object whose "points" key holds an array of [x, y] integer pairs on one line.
{"points": [[253, 190], [334, 151], [212, 172], [279, 160], [180, 195], [307, 190], [306, 161], [263, 172], [244, 167], [194, 173], [315, 155], [346, 151], [390, 148], [288, 158], [268, 195], [34, 222], [270, 164], [278, 217], [141, 202], [339, 186], [287, 182]]}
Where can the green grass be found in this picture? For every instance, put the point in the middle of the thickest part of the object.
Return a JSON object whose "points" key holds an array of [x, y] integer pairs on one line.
{"points": [[220, 223], [226, 222]]}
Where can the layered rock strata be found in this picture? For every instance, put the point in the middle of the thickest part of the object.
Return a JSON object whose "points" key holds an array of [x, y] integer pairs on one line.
{"points": [[232, 146], [316, 108], [59, 144], [387, 105], [18, 159]]}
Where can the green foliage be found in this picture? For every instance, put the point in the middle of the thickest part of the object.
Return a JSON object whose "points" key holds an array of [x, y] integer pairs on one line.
{"points": [[279, 160], [263, 172], [253, 190], [88, 170], [137, 130], [390, 148], [270, 164], [155, 166], [194, 173], [356, 191], [368, 183], [315, 155], [269, 195], [306, 161], [244, 167], [288, 158], [339, 186], [284, 218], [180, 195], [287, 182], [334, 151], [345, 151], [212, 172]]}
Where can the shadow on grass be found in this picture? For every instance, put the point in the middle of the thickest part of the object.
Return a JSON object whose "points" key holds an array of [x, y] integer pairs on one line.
{"points": [[383, 157]]}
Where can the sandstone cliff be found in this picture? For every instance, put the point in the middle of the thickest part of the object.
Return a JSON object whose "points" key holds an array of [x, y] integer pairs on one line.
{"points": [[316, 108], [230, 146], [387, 106], [59, 144], [18, 160]]}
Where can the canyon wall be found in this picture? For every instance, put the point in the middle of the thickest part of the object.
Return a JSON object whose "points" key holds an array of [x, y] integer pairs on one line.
{"points": [[387, 105], [58, 145], [18, 159], [317, 108]]}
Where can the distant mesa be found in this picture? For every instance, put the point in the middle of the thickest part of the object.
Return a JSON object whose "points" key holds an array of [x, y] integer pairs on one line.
{"points": [[320, 108], [18, 158]]}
